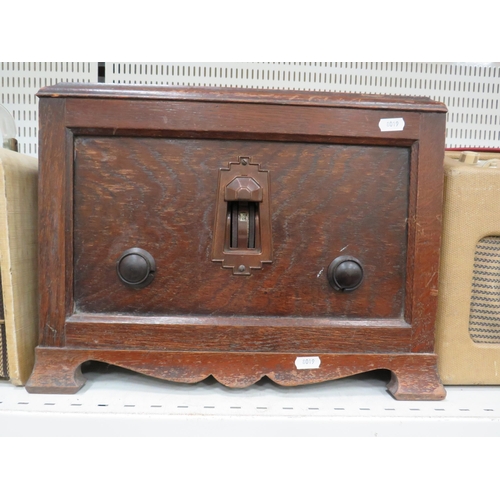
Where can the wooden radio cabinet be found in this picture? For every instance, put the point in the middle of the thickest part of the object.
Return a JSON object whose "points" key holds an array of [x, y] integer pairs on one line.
{"points": [[189, 232]]}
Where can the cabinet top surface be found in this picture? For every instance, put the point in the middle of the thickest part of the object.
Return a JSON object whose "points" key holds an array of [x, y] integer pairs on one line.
{"points": [[240, 95]]}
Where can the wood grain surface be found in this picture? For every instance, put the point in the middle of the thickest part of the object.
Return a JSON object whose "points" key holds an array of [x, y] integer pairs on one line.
{"points": [[239, 95], [160, 195], [413, 377], [124, 167]]}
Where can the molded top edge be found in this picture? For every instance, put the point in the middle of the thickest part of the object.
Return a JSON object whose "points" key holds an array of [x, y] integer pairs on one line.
{"points": [[239, 95]]}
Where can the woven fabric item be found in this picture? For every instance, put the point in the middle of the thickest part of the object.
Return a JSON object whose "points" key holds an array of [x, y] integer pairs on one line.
{"points": [[4, 366], [484, 319], [18, 262], [468, 319]]}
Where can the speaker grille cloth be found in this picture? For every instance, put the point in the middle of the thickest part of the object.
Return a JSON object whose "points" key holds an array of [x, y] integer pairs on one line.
{"points": [[484, 319], [4, 373]]}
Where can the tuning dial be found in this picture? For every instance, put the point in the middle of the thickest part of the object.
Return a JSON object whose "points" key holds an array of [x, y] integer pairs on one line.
{"points": [[345, 273], [136, 268]]}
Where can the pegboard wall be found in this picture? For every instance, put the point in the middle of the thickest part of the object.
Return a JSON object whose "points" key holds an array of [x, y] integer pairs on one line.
{"points": [[20, 81], [469, 90]]}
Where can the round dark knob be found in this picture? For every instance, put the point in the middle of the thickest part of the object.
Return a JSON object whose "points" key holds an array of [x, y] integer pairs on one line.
{"points": [[345, 273], [136, 267]]}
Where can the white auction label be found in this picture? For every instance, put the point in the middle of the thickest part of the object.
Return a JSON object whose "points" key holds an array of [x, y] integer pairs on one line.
{"points": [[307, 362], [391, 124]]}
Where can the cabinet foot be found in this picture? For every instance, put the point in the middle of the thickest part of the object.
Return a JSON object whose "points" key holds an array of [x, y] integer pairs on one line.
{"points": [[422, 383], [56, 371]]}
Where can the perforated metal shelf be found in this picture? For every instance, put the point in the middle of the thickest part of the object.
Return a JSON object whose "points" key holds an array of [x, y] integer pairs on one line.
{"points": [[469, 90], [19, 83], [119, 402]]}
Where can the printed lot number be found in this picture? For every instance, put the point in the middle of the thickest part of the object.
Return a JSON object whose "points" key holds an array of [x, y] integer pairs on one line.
{"points": [[307, 362], [391, 124]]}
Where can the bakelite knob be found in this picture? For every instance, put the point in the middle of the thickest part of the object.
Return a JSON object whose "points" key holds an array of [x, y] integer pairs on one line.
{"points": [[345, 273], [136, 268]]}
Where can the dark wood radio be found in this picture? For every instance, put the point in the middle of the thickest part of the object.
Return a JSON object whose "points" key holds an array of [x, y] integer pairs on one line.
{"points": [[189, 232]]}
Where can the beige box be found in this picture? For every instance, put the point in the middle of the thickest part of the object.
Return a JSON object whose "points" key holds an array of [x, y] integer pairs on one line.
{"points": [[468, 320], [18, 261]]}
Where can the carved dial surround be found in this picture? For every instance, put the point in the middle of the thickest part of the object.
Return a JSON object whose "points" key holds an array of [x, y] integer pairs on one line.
{"points": [[242, 235]]}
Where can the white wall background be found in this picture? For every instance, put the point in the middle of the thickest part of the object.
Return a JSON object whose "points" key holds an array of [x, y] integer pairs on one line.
{"points": [[470, 90]]}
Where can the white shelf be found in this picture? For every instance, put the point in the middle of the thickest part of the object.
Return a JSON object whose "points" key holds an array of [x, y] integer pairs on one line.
{"points": [[117, 402]]}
